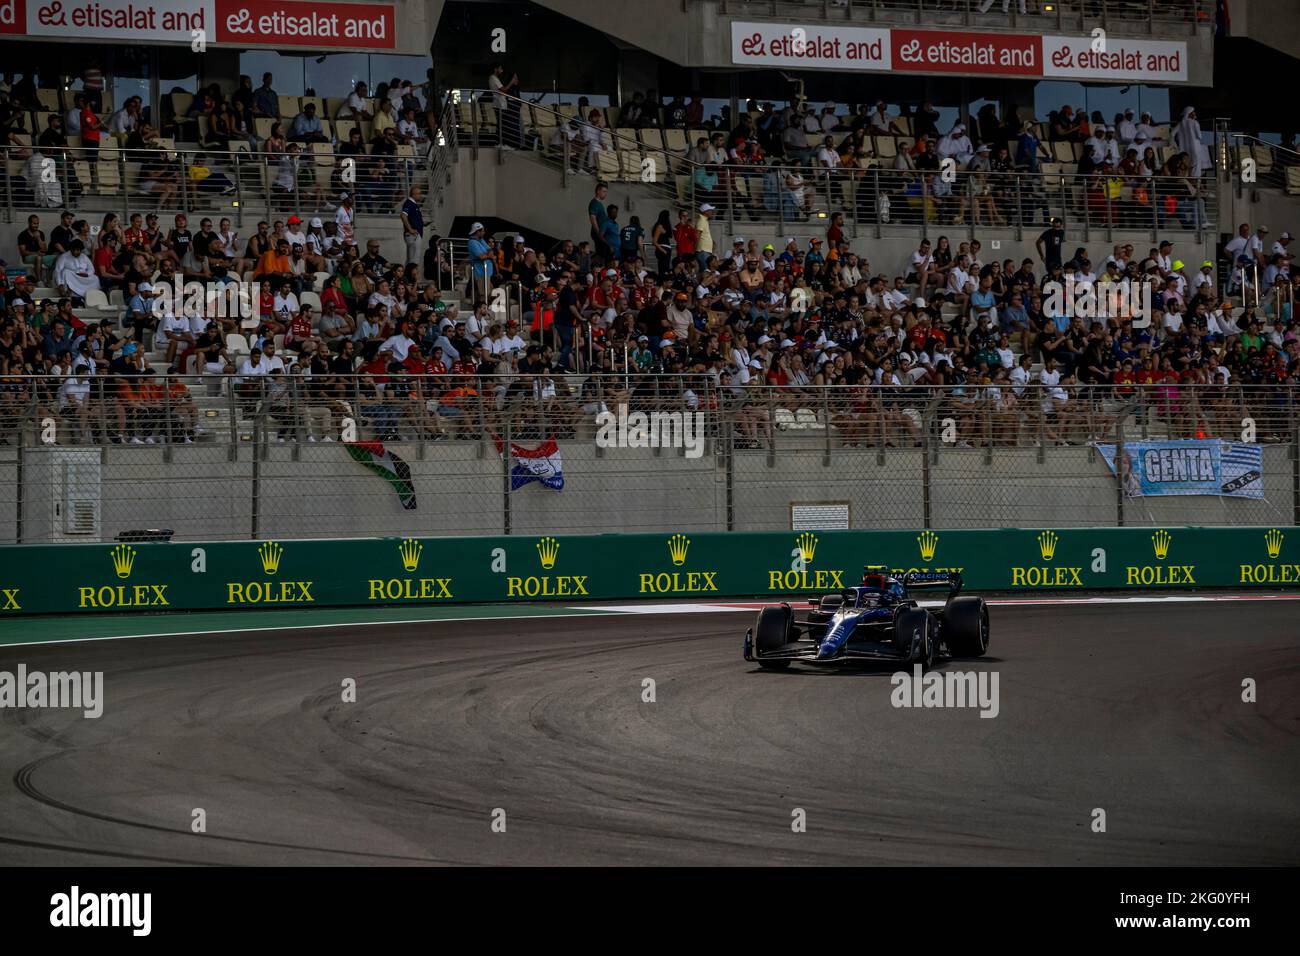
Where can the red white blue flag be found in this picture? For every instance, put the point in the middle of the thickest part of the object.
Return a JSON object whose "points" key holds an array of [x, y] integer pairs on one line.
{"points": [[541, 464]]}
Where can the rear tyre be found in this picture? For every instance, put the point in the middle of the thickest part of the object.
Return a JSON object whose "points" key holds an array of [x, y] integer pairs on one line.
{"points": [[771, 634], [912, 630], [966, 626]]}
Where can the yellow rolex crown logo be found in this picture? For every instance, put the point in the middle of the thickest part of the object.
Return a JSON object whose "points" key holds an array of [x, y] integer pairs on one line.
{"points": [[1047, 544], [1160, 541], [807, 545], [123, 560], [677, 546], [1273, 541], [928, 542], [270, 553], [410, 550], [548, 549]]}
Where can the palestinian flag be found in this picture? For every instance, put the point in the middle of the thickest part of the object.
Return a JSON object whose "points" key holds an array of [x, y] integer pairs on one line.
{"points": [[386, 465]]}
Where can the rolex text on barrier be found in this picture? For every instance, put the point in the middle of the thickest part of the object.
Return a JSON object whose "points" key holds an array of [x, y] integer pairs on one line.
{"points": [[172, 576]]}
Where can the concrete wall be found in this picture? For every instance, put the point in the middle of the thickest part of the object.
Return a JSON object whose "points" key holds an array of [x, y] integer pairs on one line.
{"points": [[202, 494], [1260, 20]]}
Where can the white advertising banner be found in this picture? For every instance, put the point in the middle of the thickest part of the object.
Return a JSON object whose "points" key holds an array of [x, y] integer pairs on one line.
{"points": [[147, 21], [1115, 58], [810, 46]]}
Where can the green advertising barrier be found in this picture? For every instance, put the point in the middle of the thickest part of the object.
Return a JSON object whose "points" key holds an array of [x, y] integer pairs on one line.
{"points": [[48, 579]]}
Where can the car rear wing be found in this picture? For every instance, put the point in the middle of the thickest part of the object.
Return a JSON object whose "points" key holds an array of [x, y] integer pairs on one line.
{"points": [[933, 580]]}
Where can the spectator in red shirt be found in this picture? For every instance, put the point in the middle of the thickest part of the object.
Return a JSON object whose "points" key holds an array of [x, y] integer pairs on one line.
{"points": [[685, 236], [91, 131], [1124, 379], [835, 231], [299, 330], [330, 293]]}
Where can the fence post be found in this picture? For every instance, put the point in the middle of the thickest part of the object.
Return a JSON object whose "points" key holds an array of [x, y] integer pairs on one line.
{"points": [[1295, 461], [875, 199], [239, 193], [1121, 463], [506, 516], [1020, 208], [120, 155], [1155, 208], [232, 407], [771, 424], [728, 445], [826, 430], [927, 502], [255, 486], [167, 419]]}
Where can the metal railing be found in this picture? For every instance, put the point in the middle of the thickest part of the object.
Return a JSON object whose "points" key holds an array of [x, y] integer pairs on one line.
{"points": [[1270, 165], [238, 183], [212, 457], [299, 407], [872, 198], [1122, 16]]}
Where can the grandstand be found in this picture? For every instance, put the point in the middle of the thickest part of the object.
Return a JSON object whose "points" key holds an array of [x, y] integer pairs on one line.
{"points": [[837, 276]]}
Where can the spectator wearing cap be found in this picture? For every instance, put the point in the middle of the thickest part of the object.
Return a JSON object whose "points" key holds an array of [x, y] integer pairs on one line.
{"points": [[344, 219], [814, 255], [293, 234], [139, 310], [704, 235]]}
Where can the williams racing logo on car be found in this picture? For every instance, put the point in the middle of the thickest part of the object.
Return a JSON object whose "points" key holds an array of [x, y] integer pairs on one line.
{"points": [[409, 587], [1164, 573], [928, 549], [277, 590], [1047, 574], [547, 585], [802, 576], [1273, 572], [691, 581], [127, 593]]}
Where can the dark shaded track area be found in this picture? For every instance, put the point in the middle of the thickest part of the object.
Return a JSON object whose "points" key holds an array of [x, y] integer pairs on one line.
{"points": [[1136, 710]]}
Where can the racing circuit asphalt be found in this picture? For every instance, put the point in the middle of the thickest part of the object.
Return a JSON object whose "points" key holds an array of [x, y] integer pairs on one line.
{"points": [[1135, 710]]}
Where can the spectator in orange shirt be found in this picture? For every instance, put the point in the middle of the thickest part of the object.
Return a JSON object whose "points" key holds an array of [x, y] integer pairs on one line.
{"points": [[274, 265]]}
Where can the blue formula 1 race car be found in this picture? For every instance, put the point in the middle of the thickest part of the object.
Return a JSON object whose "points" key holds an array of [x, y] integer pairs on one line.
{"points": [[877, 621]]}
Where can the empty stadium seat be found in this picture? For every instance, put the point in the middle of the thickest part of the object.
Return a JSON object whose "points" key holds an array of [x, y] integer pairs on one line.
{"points": [[96, 299], [1293, 180], [607, 164]]}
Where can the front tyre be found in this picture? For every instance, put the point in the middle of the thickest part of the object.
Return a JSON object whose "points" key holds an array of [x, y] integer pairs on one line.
{"points": [[772, 633], [912, 629], [966, 626]]}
